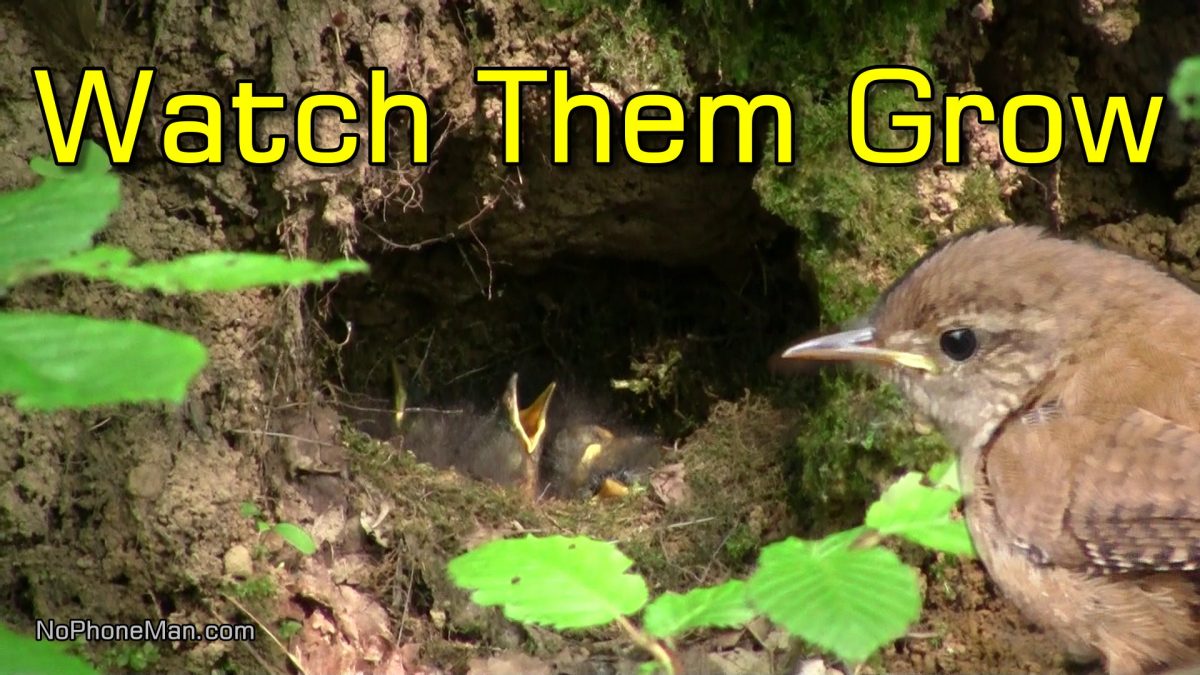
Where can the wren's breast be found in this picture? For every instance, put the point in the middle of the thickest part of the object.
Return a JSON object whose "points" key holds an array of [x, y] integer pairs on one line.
{"points": [[1047, 596], [1005, 567], [984, 465]]}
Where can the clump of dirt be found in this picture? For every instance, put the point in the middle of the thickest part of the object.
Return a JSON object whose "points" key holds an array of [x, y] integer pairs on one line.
{"points": [[965, 628]]}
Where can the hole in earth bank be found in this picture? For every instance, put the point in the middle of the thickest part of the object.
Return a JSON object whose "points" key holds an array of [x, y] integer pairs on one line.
{"points": [[673, 282]]}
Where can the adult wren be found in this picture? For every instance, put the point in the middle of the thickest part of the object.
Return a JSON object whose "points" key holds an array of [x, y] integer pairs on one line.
{"points": [[1068, 379]]}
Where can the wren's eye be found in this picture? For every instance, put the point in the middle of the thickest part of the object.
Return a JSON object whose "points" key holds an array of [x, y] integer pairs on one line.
{"points": [[959, 343]]}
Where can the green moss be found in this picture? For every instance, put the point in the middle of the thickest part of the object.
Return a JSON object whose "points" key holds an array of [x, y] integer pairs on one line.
{"points": [[254, 588], [980, 202], [653, 563], [857, 437], [288, 628], [738, 493], [742, 544], [808, 48], [860, 225], [637, 47], [137, 657], [938, 580], [860, 228]]}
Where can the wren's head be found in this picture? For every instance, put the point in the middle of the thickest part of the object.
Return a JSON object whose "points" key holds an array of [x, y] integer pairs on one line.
{"points": [[973, 330]]}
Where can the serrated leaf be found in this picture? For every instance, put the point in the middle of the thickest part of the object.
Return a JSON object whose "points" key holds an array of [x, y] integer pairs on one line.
{"points": [[720, 606], [921, 514], [563, 582], [54, 361], [201, 272], [297, 537], [24, 654], [849, 601], [53, 219]]}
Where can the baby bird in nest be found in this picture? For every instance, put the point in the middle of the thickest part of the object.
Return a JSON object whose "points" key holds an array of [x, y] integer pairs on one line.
{"points": [[503, 446], [569, 457], [585, 459]]}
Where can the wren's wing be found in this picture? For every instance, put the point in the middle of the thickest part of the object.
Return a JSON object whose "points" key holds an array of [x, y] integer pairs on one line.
{"points": [[1134, 500]]}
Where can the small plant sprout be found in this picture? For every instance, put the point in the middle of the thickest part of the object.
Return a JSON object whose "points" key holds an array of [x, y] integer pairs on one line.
{"points": [[289, 532], [561, 582], [845, 593]]}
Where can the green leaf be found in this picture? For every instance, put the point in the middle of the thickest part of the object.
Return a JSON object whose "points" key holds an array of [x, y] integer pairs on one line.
{"points": [[46, 168], [1184, 89], [563, 582], [921, 514], [23, 654], [849, 601], [945, 475], [297, 537], [719, 606], [288, 628], [92, 159], [55, 218], [213, 271], [52, 361], [249, 510]]}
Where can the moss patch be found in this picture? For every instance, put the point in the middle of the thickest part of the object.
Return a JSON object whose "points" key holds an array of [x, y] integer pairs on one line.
{"points": [[856, 438]]}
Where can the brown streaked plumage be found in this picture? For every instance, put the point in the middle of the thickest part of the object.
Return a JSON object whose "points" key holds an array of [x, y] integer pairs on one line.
{"points": [[1068, 379]]}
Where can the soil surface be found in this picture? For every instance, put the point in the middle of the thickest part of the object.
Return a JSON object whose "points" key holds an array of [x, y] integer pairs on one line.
{"points": [[654, 298]]}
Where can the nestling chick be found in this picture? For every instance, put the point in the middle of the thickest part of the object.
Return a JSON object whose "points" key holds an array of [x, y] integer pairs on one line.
{"points": [[507, 448], [587, 459], [503, 446]]}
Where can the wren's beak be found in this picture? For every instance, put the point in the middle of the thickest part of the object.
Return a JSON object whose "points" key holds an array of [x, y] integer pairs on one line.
{"points": [[857, 345]]}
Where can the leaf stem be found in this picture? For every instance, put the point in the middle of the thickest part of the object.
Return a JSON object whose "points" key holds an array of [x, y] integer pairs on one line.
{"points": [[656, 648]]}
